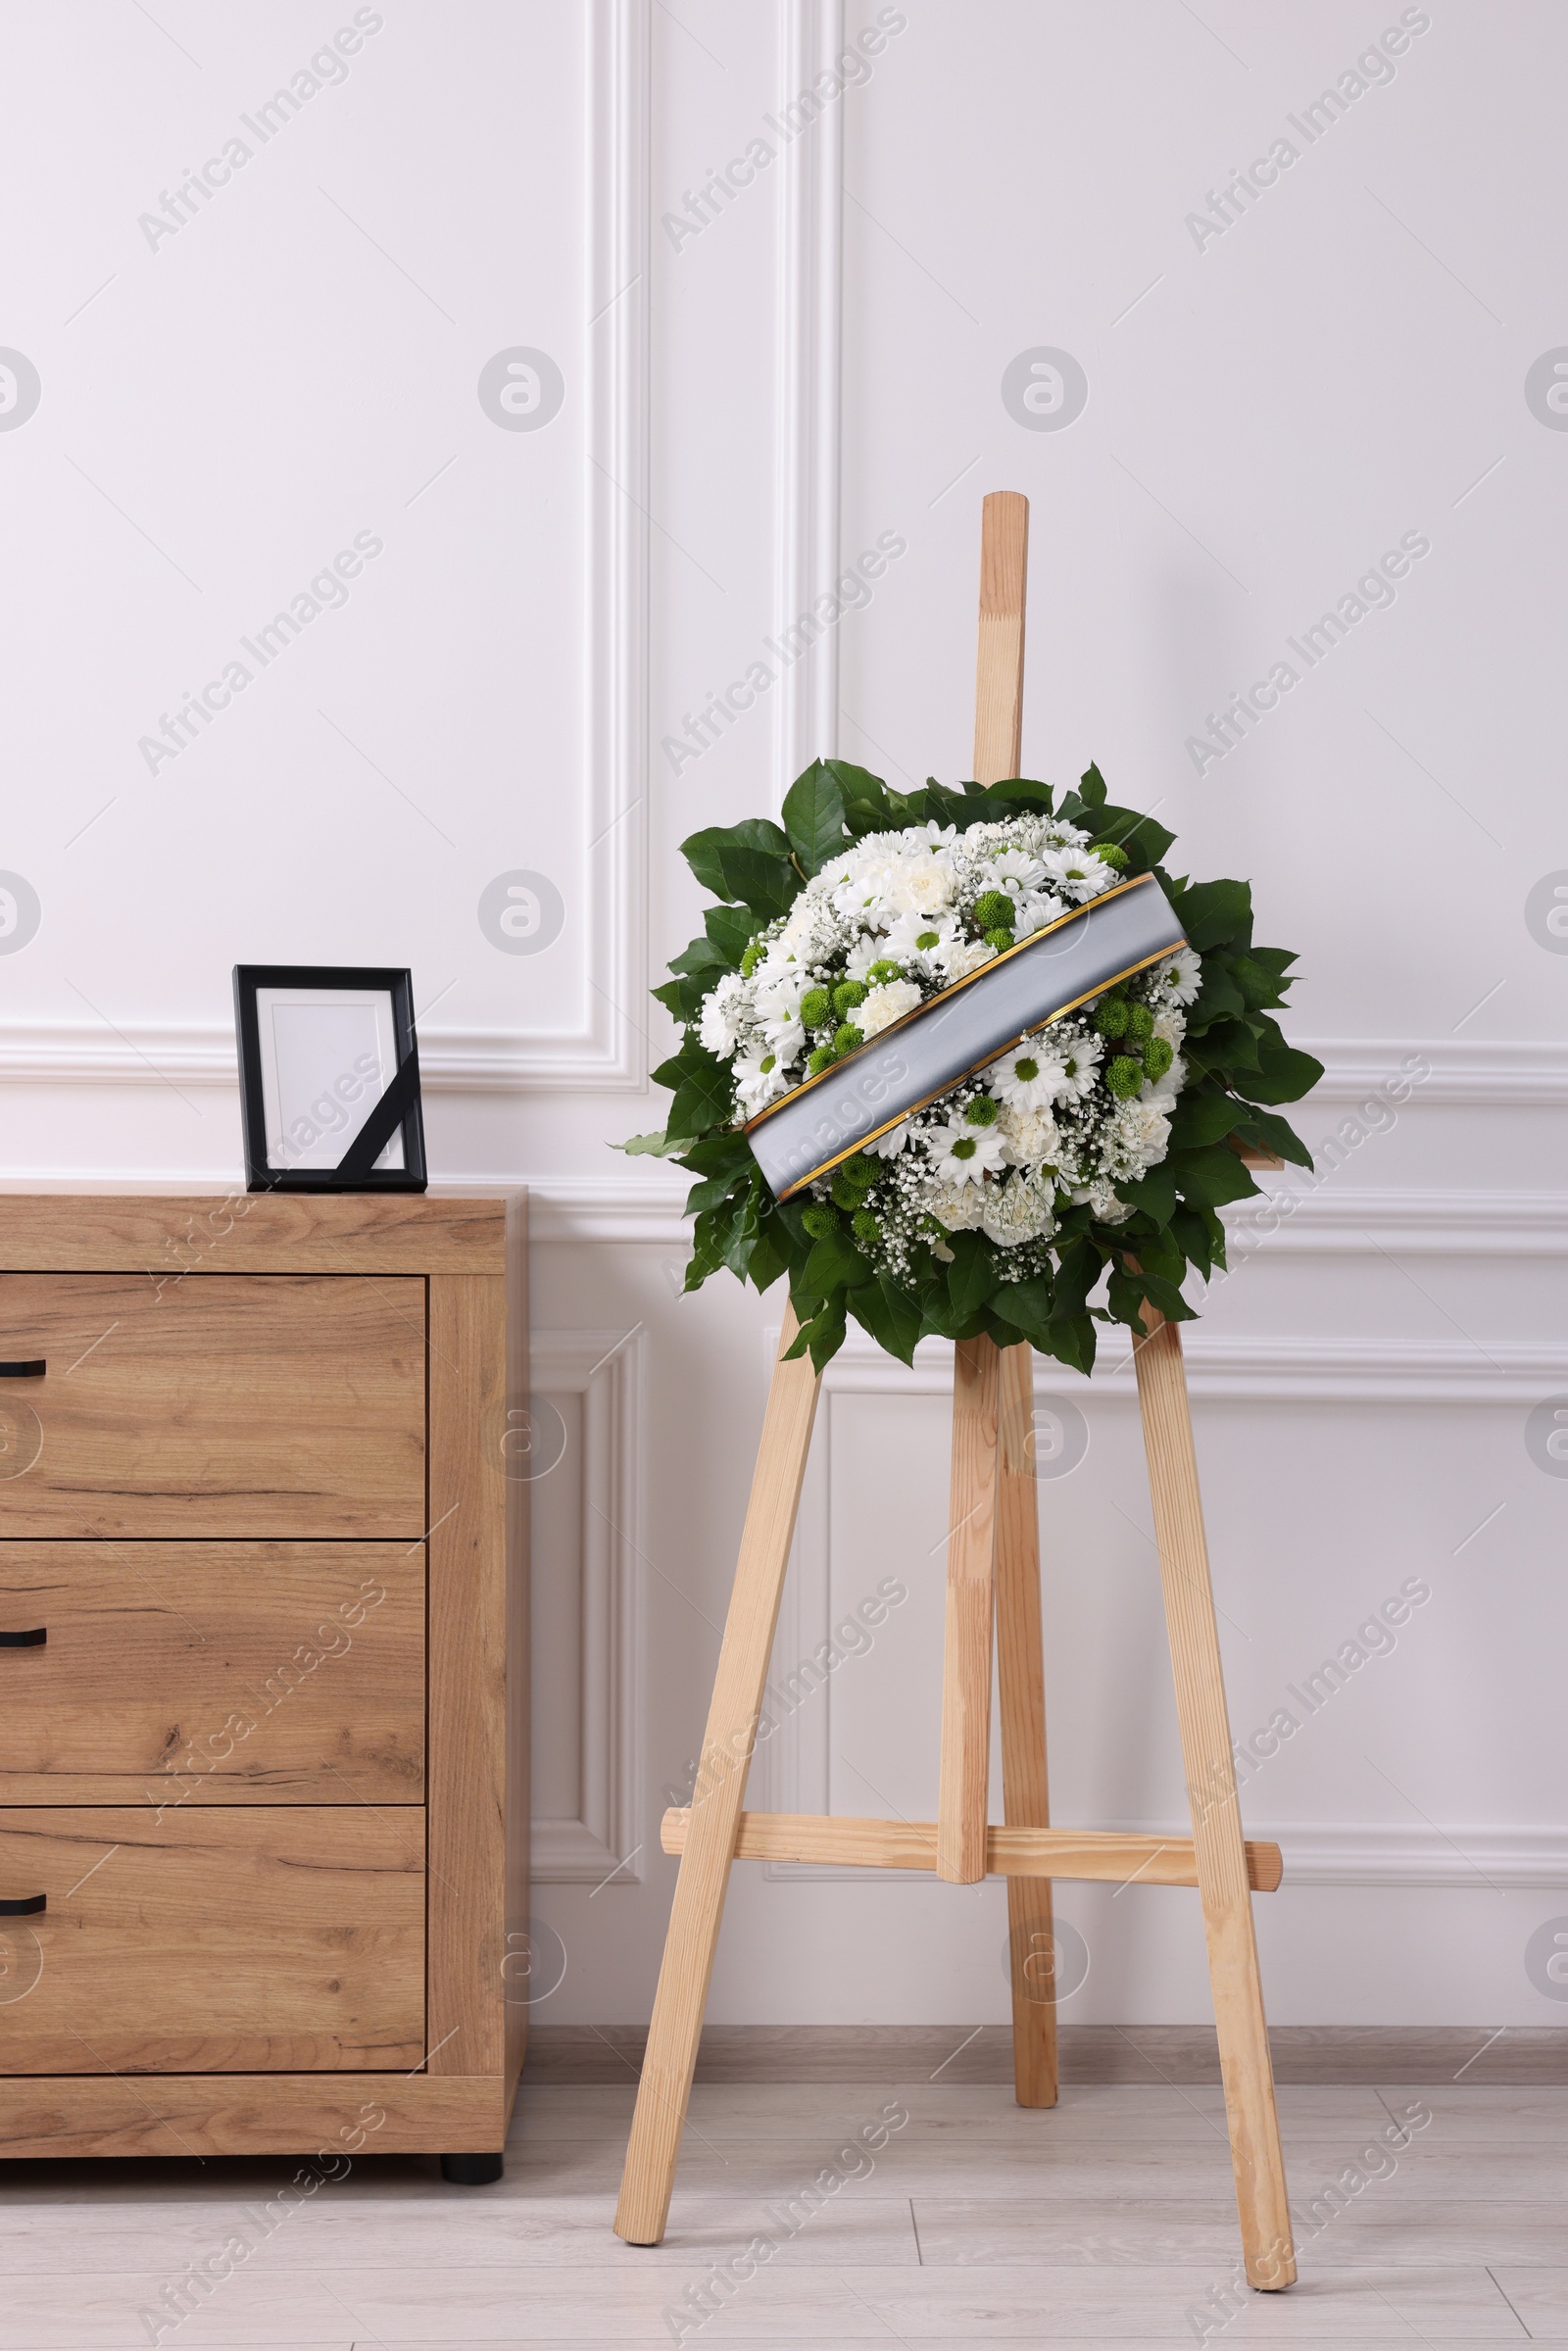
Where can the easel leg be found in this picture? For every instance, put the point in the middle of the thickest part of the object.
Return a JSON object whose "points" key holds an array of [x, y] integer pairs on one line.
{"points": [[1020, 1674], [1244, 2051], [665, 2089], [966, 1642]]}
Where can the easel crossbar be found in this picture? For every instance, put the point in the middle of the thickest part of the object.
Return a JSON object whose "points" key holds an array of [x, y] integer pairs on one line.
{"points": [[1117, 1854]]}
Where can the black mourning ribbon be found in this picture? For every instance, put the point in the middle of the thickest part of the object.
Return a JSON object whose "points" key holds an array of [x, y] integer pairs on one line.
{"points": [[384, 1121]]}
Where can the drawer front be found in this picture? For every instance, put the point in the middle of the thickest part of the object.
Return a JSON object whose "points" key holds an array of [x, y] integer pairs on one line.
{"points": [[193, 1673], [252, 1940], [251, 1404]]}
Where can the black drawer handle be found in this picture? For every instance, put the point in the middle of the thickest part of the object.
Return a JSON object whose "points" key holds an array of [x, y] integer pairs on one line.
{"points": [[24, 1371], [27, 1907], [33, 1640]]}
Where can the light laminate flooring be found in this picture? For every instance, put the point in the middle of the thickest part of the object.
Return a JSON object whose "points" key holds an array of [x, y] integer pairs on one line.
{"points": [[1432, 2214]]}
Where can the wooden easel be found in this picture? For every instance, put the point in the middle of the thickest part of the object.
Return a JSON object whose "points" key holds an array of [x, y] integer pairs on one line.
{"points": [[993, 1576]]}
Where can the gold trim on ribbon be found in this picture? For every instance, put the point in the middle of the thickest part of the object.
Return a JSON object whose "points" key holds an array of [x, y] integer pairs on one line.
{"points": [[1021, 947], [860, 1141]]}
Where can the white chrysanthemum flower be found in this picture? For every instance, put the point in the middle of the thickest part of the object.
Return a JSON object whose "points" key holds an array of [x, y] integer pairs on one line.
{"points": [[1035, 911], [963, 1154], [1076, 874], [1019, 1210], [922, 941], [760, 1078], [723, 1011], [1080, 1066], [1183, 976], [787, 1039], [1029, 1078], [1011, 869], [888, 1146], [885, 1004]]}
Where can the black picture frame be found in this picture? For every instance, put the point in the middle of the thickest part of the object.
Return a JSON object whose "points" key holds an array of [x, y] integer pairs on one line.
{"points": [[395, 1115]]}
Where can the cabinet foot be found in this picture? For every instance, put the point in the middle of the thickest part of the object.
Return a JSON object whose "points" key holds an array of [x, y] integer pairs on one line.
{"points": [[473, 2170]]}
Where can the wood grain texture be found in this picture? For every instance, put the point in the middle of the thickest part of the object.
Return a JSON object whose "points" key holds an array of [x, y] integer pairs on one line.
{"points": [[963, 1787], [194, 1673], [1206, 1736], [1014, 1853], [1021, 1691], [999, 670], [468, 1668], [250, 2114], [286, 1405], [720, 1791], [243, 1940], [343, 1232], [518, 1493]]}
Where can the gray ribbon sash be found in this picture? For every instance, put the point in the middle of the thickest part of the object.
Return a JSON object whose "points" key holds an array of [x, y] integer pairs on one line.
{"points": [[828, 1117]]}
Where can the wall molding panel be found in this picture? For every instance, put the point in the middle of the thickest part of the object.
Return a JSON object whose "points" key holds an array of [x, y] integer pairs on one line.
{"points": [[811, 293], [605, 1369], [1498, 1074]]}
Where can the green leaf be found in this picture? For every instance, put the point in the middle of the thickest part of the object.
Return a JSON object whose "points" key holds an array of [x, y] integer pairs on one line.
{"points": [[716, 1152], [1026, 1306], [1275, 1135], [1284, 1075], [886, 1309], [731, 929], [683, 997], [711, 1190], [1092, 787], [1203, 1118], [971, 1277], [1145, 841], [741, 1238], [700, 956], [1207, 1179], [1262, 990], [708, 1250], [1192, 1231], [856, 783], [749, 862], [1071, 1340], [813, 816], [1219, 998], [770, 1257], [835, 1264], [1212, 912], [703, 1100], [1078, 1271], [1154, 1194], [648, 1146]]}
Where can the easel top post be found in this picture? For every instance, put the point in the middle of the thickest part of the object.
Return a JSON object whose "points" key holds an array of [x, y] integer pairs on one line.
{"points": [[998, 669]]}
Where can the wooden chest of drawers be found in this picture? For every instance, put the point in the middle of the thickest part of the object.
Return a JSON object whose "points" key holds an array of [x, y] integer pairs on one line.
{"points": [[262, 1658]]}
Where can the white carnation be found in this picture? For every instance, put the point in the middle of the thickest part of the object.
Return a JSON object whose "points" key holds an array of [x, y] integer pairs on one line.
{"points": [[1019, 1210], [885, 1004], [965, 955]]}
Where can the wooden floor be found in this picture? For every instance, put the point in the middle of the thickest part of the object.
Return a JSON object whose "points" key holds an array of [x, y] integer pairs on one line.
{"points": [[1107, 2221]]}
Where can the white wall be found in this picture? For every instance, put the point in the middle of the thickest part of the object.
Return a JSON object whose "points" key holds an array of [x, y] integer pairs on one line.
{"points": [[745, 408]]}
